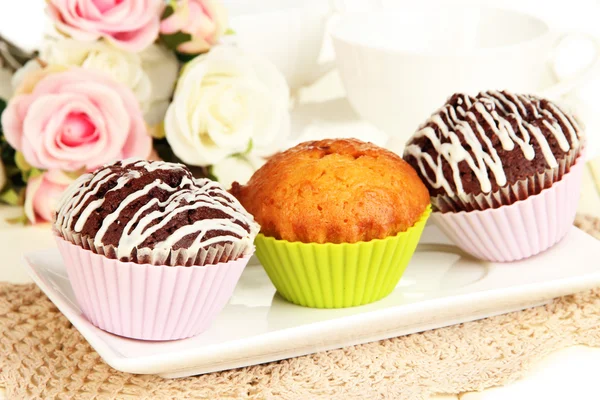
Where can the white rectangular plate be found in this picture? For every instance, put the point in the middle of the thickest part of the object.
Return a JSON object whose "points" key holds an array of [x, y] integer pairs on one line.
{"points": [[441, 287]]}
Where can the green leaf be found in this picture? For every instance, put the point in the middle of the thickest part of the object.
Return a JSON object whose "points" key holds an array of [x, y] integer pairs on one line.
{"points": [[229, 31], [10, 196], [250, 147], [74, 174], [21, 163], [169, 9], [175, 39], [185, 58], [210, 174], [243, 155], [20, 220], [32, 172]]}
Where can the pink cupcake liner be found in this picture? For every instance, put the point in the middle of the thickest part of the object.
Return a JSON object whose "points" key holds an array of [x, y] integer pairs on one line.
{"points": [[519, 230], [149, 302], [164, 257]]}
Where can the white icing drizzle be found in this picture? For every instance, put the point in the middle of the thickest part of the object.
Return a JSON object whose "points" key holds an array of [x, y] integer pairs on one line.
{"points": [[495, 111], [189, 195]]}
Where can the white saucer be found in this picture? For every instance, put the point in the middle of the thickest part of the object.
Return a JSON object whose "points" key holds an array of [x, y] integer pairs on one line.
{"points": [[441, 287]]}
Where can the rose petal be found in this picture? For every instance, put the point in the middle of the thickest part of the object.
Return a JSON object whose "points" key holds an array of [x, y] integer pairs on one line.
{"points": [[66, 22], [88, 10], [204, 20], [129, 24], [135, 40], [46, 199], [33, 186], [12, 120], [43, 193], [224, 99], [36, 123]]}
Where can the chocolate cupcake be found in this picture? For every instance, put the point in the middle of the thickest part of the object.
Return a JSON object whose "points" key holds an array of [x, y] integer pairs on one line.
{"points": [[151, 252], [493, 149], [503, 171], [154, 212]]}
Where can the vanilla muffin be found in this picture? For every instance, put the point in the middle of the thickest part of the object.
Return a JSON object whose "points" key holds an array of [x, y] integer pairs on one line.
{"points": [[334, 191], [340, 221]]}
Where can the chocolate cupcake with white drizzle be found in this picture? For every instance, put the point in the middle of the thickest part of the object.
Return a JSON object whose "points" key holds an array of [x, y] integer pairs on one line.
{"points": [[151, 252], [494, 149], [154, 212]]}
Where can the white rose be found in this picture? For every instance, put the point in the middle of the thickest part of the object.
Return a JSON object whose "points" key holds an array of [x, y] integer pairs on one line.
{"points": [[236, 168], [225, 101], [162, 69], [20, 74], [151, 74]]}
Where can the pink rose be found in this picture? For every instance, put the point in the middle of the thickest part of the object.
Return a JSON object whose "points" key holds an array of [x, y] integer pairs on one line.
{"points": [[204, 20], [131, 25], [76, 119], [42, 195]]}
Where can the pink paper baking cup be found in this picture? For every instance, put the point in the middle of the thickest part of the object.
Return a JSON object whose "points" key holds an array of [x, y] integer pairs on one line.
{"points": [[519, 230], [149, 302]]}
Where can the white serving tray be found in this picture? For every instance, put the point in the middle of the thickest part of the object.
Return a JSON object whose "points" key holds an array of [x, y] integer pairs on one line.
{"points": [[441, 287]]}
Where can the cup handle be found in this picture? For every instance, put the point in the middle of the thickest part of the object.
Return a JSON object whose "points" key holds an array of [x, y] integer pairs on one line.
{"points": [[336, 8], [322, 69], [566, 86]]}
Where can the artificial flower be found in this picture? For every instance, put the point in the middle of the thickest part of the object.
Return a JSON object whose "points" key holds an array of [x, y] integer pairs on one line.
{"points": [[198, 23], [131, 25], [151, 74], [227, 102], [238, 168], [25, 78], [76, 119], [42, 195]]}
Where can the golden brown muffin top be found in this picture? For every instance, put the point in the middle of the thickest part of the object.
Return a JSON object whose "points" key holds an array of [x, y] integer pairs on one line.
{"points": [[334, 191]]}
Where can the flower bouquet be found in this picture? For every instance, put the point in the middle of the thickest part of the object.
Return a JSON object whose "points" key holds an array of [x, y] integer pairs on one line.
{"points": [[135, 78]]}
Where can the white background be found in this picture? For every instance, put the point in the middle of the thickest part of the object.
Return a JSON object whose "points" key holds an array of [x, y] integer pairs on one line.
{"points": [[568, 374]]}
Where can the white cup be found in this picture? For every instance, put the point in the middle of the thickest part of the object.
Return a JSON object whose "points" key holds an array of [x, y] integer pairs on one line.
{"points": [[399, 66], [289, 33]]}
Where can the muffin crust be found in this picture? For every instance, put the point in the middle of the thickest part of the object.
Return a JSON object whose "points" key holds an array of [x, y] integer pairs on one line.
{"points": [[334, 191]]}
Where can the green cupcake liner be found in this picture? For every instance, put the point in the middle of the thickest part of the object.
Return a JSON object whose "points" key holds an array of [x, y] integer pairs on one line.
{"points": [[338, 275]]}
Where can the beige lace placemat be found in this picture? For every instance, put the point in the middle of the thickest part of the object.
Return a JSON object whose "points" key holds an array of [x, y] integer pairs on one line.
{"points": [[43, 356]]}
